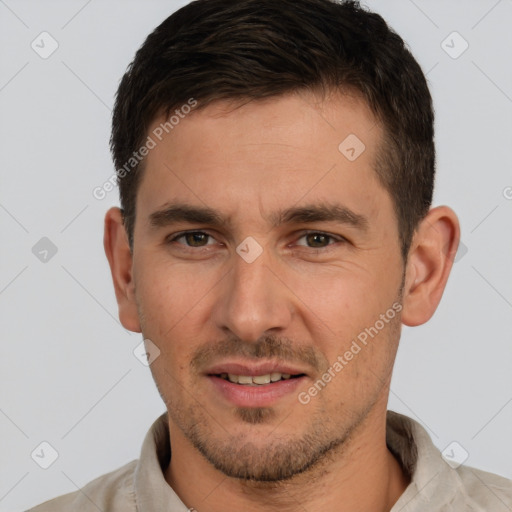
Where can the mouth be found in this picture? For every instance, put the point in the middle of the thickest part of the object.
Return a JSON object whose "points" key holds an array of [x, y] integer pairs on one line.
{"points": [[255, 385], [257, 380]]}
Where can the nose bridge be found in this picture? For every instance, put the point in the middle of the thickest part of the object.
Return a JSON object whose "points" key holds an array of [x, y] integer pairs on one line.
{"points": [[253, 299]]}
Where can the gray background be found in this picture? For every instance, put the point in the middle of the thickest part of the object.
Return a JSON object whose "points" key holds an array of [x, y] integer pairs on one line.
{"points": [[68, 373]]}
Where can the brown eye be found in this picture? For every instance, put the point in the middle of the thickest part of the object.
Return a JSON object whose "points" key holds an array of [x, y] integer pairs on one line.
{"points": [[318, 240], [192, 239], [196, 239]]}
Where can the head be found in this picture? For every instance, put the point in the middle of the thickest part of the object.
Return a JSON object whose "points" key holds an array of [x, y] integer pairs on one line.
{"points": [[278, 219]]}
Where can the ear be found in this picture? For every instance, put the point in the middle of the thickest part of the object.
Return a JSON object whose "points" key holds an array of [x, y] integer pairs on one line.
{"points": [[429, 263], [117, 249]]}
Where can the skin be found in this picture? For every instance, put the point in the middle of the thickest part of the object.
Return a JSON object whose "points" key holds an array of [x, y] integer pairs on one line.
{"points": [[204, 304]]}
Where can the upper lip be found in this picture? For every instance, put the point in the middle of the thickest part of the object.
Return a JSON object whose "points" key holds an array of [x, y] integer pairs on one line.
{"points": [[254, 369]]}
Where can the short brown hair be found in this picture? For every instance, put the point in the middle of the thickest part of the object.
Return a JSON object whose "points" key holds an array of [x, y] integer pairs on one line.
{"points": [[213, 50]]}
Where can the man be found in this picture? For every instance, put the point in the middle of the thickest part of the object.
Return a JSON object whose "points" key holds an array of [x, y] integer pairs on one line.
{"points": [[275, 162]]}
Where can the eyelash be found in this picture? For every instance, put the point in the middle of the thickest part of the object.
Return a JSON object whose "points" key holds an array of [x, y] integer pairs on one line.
{"points": [[336, 238]]}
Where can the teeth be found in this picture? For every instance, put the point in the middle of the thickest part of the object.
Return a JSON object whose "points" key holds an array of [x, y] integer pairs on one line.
{"points": [[257, 380], [261, 379]]}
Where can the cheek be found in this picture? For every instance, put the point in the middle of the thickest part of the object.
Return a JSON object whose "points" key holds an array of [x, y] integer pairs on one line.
{"points": [[175, 302], [166, 309], [170, 291], [343, 311], [342, 300]]}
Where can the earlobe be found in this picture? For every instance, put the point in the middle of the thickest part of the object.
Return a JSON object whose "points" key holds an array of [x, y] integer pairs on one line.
{"points": [[117, 250], [430, 260]]}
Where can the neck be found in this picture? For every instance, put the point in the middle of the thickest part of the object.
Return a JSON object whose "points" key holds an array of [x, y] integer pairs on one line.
{"points": [[361, 475]]}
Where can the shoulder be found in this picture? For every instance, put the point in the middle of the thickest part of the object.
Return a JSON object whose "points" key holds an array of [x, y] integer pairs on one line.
{"points": [[487, 490], [439, 483], [113, 491]]}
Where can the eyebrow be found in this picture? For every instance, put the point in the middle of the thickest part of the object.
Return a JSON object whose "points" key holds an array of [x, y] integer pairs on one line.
{"points": [[320, 213], [185, 213], [323, 212]]}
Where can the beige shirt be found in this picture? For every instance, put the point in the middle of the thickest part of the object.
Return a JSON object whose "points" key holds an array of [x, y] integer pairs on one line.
{"points": [[139, 486]]}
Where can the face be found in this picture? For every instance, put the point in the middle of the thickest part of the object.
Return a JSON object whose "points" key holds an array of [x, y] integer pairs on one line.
{"points": [[267, 270]]}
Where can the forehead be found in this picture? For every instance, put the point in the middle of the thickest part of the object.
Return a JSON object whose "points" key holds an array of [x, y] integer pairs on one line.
{"points": [[265, 153]]}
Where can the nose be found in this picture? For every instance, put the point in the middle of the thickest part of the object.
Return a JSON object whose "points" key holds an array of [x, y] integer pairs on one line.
{"points": [[253, 299]]}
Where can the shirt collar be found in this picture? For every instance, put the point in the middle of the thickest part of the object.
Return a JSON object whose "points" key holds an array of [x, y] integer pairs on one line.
{"points": [[433, 482], [152, 492]]}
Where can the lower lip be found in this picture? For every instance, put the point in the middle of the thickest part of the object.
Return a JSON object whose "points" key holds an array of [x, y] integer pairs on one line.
{"points": [[255, 396]]}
